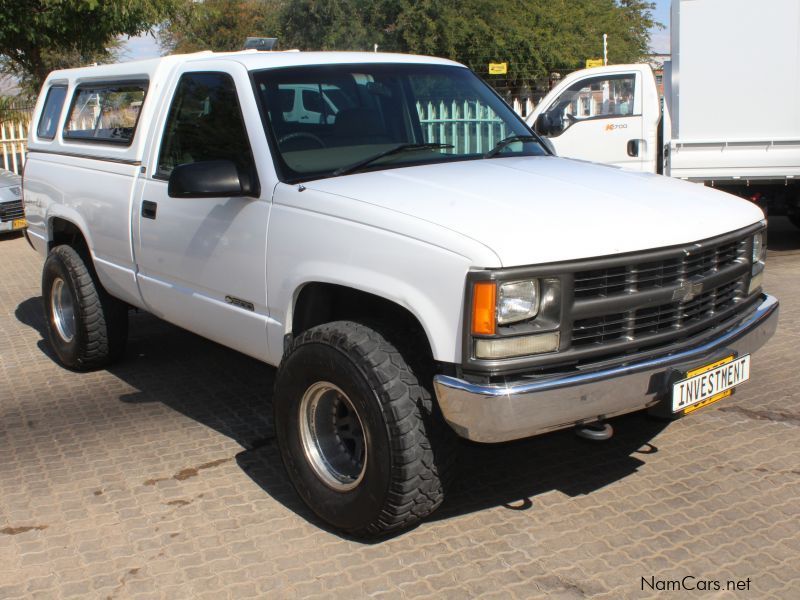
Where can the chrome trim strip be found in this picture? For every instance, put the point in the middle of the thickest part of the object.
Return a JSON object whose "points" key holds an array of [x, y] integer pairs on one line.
{"points": [[122, 161], [495, 413]]}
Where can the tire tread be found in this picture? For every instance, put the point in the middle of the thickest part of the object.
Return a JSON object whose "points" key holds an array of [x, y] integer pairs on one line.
{"points": [[419, 474], [101, 318]]}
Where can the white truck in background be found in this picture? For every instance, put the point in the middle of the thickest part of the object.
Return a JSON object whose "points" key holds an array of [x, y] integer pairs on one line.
{"points": [[730, 115]]}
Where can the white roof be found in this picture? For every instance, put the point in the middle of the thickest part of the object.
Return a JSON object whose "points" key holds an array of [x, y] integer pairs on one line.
{"points": [[251, 59]]}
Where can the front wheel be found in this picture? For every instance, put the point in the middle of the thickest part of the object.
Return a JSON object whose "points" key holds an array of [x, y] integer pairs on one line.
{"points": [[357, 431], [87, 327]]}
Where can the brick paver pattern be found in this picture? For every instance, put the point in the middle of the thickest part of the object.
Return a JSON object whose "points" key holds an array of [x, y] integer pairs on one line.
{"points": [[159, 478]]}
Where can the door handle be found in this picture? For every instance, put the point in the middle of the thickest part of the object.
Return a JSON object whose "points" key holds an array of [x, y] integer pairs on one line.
{"points": [[633, 148], [149, 209]]}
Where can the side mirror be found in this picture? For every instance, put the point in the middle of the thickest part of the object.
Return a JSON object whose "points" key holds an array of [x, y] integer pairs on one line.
{"points": [[209, 179], [542, 125]]}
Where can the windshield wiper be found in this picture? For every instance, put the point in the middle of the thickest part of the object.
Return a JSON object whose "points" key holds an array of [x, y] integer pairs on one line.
{"points": [[498, 148], [393, 150]]}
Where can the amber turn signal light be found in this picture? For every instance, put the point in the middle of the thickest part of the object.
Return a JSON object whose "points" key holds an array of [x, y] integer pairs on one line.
{"points": [[484, 305]]}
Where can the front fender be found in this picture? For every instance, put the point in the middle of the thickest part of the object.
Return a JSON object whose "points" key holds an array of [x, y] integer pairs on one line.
{"points": [[426, 280]]}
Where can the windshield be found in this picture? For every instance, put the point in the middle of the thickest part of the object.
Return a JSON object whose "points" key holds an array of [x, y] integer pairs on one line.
{"points": [[330, 120]]}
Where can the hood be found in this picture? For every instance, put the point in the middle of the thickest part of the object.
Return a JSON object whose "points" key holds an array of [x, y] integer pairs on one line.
{"points": [[533, 210]]}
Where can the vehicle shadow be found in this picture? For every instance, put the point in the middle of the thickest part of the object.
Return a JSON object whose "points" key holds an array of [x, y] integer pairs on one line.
{"points": [[232, 394], [782, 236]]}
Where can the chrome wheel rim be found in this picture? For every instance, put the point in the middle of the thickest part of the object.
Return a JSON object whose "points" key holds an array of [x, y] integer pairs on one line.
{"points": [[332, 436], [63, 310]]}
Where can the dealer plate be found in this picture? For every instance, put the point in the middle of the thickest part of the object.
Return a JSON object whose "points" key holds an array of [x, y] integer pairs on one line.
{"points": [[19, 224], [709, 383]]}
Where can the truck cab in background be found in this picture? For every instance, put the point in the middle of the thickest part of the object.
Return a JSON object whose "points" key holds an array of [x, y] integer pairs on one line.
{"points": [[607, 114], [729, 117]]}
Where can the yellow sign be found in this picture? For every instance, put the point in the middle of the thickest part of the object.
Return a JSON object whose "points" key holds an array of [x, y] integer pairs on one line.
{"points": [[498, 68], [594, 62]]}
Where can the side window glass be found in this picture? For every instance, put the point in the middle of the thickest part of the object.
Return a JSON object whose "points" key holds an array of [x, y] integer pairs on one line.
{"points": [[53, 103], [598, 97], [105, 113], [205, 123]]}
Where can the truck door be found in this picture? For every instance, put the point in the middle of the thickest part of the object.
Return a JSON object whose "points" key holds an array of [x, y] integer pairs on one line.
{"points": [[201, 259], [607, 115]]}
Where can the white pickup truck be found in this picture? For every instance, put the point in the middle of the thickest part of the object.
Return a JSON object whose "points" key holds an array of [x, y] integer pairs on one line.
{"points": [[411, 280]]}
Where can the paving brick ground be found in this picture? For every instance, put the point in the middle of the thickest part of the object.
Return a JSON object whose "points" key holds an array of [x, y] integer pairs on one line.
{"points": [[159, 478]]}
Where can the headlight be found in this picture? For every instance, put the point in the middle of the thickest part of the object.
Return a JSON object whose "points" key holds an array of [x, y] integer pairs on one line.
{"points": [[759, 247], [517, 301], [533, 304], [524, 345], [759, 257]]}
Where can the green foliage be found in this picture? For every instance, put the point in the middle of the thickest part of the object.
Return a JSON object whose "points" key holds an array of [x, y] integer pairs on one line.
{"points": [[338, 24], [220, 25], [9, 111], [39, 35], [533, 36]]}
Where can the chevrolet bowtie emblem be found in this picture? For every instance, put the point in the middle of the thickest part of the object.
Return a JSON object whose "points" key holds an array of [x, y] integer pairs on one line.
{"points": [[688, 291]]}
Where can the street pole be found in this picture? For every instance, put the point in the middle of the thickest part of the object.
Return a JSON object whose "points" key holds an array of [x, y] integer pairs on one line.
{"points": [[605, 49]]}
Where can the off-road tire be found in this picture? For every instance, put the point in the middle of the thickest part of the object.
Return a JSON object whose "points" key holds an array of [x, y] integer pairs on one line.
{"points": [[410, 449], [100, 320]]}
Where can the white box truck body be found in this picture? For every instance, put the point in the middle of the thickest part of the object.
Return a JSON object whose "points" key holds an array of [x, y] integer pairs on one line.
{"points": [[729, 118]]}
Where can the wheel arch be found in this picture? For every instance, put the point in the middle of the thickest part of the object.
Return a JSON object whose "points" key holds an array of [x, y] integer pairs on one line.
{"points": [[63, 230], [318, 302]]}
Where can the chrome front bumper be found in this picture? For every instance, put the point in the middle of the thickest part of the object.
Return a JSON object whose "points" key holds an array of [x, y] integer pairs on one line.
{"points": [[499, 413]]}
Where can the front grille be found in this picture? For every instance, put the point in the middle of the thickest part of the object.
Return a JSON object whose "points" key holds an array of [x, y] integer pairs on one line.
{"points": [[647, 275], [644, 300], [638, 324], [11, 210]]}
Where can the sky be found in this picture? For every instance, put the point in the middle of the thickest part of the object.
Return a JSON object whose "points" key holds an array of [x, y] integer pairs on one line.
{"points": [[145, 46], [659, 39]]}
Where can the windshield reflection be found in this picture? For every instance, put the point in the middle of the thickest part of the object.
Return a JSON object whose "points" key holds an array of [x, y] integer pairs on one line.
{"points": [[330, 120]]}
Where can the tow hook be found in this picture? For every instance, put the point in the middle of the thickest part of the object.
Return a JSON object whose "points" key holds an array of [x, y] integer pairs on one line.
{"points": [[599, 431]]}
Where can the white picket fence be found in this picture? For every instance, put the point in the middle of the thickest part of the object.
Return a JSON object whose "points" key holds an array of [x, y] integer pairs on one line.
{"points": [[522, 107], [14, 145], [468, 126]]}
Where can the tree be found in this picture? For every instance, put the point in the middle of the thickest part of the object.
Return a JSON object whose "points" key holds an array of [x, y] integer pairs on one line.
{"points": [[39, 35], [220, 25], [532, 36]]}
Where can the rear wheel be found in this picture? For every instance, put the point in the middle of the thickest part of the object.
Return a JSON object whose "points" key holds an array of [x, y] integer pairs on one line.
{"points": [[357, 431], [87, 327]]}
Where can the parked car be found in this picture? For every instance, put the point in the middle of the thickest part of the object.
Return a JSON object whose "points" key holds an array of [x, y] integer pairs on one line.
{"points": [[412, 280], [12, 214]]}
